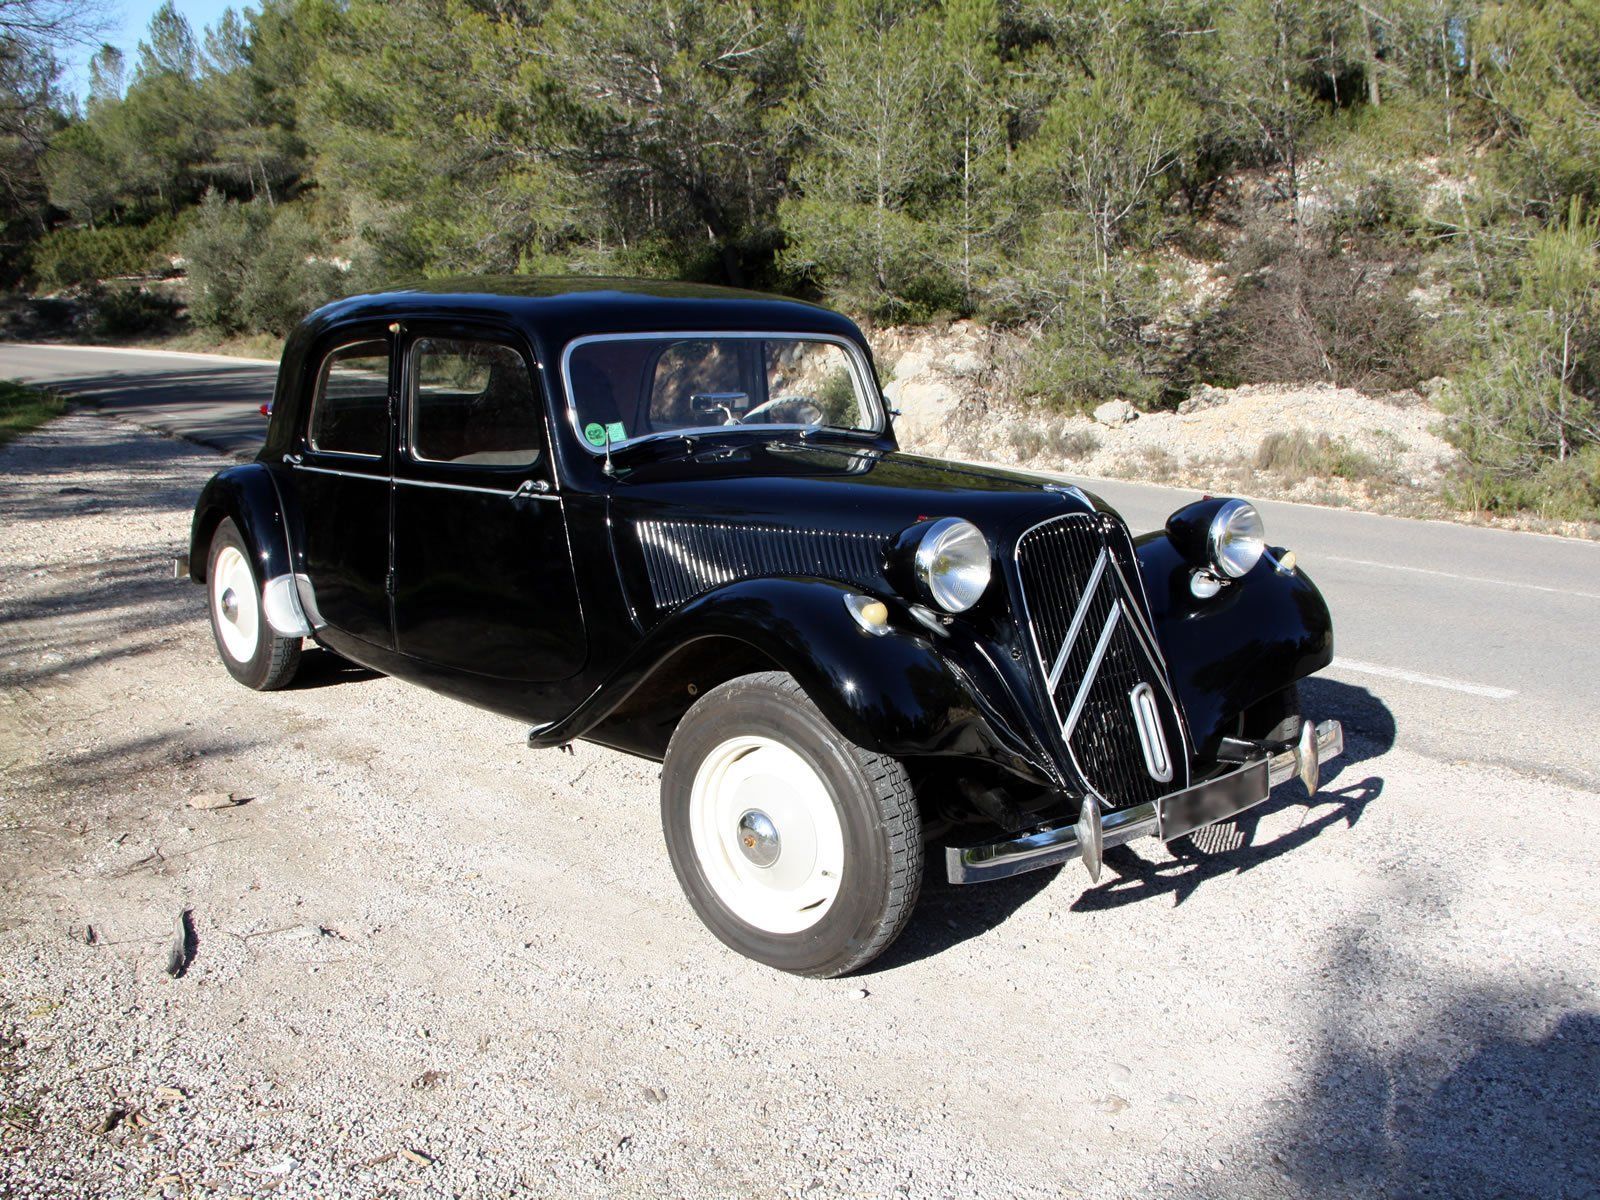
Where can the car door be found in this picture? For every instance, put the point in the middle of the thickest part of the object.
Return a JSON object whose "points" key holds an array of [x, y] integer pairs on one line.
{"points": [[484, 577], [341, 478]]}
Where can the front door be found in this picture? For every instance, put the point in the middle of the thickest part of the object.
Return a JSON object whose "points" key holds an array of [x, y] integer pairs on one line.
{"points": [[483, 571], [341, 480]]}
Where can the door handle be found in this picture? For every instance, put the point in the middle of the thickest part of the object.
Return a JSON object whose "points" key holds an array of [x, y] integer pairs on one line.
{"points": [[529, 488], [294, 460]]}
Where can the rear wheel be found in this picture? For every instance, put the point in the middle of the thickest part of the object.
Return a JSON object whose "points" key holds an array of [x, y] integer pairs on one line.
{"points": [[254, 655], [796, 848]]}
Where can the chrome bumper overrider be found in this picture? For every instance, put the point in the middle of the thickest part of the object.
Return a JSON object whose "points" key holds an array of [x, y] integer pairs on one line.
{"points": [[1169, 817]]}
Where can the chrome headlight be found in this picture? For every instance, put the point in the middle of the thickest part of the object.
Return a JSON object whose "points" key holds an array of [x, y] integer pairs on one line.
{"points": [[952, 564], [1237, 539]]}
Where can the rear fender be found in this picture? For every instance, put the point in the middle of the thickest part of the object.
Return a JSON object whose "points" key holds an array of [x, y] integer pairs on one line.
{"points": [[248, 494], [1254, 638], [907, 693]]}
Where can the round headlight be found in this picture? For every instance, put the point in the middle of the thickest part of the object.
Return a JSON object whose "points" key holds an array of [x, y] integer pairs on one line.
{"points": [[1237, 539], [953, 563]]}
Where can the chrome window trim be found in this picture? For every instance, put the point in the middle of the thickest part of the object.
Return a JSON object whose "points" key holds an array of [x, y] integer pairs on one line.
{"points": [[430, 483], [317, 394], [409, 375], [467, 487], [866, 384], [340, 474]]}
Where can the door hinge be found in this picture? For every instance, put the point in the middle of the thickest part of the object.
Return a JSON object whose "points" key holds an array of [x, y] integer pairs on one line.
{"points": [[388, 582]]}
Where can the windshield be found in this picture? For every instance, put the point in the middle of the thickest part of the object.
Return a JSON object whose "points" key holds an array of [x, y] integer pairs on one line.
{"points": [[629, 386]]}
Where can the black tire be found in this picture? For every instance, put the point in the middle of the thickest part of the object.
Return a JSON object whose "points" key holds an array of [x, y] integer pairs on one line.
{"points": [[871, 794], [272, 660]]}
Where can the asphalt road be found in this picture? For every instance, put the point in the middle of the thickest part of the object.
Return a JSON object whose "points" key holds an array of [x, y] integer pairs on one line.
{"points": [[1467, 644]]}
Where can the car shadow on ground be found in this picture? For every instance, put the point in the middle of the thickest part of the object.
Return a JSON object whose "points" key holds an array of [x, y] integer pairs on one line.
{"points": [[948, 915], [1468, 1089], [321, 668], [1140, 871]]}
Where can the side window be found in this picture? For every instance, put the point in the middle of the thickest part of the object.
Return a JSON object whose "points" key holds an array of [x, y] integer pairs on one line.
{"points": [[350, 410], [474, 403]]}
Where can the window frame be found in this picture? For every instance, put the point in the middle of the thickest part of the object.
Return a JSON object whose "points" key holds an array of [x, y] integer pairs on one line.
{"points": [[861, 373], [319, 394], [409, 383]]}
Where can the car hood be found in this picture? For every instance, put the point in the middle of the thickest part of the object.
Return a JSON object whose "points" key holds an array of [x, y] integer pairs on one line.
{"points": [[837, 487]]}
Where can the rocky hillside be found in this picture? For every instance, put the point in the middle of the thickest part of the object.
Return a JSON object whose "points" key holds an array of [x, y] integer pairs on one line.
{"points": [[1316, 443]]}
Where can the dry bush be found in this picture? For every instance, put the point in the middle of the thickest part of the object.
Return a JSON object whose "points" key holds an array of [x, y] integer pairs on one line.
{"points": [[1156, 465], [1296, 455], [1312, 311], [1066, 442], [1025, 441]]}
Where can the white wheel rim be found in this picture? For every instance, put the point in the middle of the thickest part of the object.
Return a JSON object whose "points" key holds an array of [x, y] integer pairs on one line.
{"points": [[770, 787], [235, 607]]}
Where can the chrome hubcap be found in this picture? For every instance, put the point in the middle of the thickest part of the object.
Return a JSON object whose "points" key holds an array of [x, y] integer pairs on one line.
{"points": [[758, 838], [230, 604]]}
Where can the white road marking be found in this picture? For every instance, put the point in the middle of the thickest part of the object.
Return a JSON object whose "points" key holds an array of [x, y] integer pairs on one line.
{"points": [[1438, 681], [138, 350], [1516, 583]]}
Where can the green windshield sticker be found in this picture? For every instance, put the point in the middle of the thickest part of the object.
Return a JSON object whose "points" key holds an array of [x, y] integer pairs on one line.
{"points": [[616, 432], [595, 433]]}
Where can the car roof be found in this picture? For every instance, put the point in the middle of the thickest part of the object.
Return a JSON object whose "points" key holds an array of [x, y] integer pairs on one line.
{"points": [[560, 308]]}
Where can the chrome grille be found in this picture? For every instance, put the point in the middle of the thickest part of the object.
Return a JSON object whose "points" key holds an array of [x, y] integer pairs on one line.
{"points": [[1093, 645], [687, 558]]}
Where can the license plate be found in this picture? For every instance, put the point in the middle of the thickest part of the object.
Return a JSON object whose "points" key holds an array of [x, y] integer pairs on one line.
{"points": [[1205, 803]]}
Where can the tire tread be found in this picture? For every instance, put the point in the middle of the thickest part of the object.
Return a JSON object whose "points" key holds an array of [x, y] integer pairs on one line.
{"points": [[897, 811]]}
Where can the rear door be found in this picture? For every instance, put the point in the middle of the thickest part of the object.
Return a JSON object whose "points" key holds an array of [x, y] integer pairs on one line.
{"points": [[483, 571], [340, 475]]}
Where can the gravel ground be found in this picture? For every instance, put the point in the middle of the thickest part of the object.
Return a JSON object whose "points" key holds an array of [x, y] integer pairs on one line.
{"points": [[430, 962]]}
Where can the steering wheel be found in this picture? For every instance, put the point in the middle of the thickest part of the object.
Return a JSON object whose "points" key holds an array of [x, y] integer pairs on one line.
{"points": [[789, 410]]}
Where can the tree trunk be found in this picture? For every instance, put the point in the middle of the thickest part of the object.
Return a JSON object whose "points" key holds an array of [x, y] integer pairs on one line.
{"points": [[1374, 97]]}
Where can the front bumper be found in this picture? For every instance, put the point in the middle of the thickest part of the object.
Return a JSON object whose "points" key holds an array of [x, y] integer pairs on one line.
{"points": [[1170, 817]]}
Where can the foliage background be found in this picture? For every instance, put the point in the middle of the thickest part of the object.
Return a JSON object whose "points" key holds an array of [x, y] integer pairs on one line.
{"points": [[1159, 192]]}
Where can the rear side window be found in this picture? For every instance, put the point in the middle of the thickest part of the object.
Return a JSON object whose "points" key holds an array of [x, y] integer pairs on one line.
{"points": [[473, 403], [350, 411]]}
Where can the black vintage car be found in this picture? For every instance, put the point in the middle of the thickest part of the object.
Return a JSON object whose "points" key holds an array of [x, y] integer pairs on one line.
{"points": [[674, 520]]}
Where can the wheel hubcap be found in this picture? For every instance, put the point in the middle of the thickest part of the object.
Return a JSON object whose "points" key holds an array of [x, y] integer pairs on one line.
{"points": [[758, 838], [766, 834], [235, 607]]}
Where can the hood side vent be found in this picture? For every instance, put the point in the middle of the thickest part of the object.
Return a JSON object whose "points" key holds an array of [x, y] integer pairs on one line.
{"points": [[685, 559]]}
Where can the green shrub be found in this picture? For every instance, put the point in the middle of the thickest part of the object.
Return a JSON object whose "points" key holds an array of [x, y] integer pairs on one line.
{"points": [[83, 256], [123, 312], [255, 269], [1525, 413], [24, 408]]}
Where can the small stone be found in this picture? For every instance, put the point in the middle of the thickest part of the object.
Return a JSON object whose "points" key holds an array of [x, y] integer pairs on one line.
{"points": [[213, 801], [861, 993], [110, 1120], [655, 1095], [1116, 412]]}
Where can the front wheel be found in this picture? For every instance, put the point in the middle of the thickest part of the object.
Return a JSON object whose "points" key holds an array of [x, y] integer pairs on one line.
{"points": [[254, 655], [797, 848]]}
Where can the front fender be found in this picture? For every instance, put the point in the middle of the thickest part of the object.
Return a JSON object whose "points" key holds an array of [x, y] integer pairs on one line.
{"points": [[248, 494], [1257, 636], [908, 693]]}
